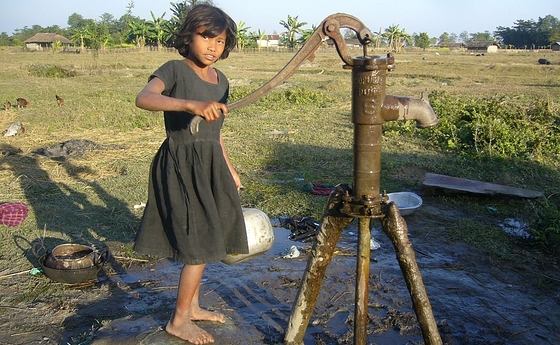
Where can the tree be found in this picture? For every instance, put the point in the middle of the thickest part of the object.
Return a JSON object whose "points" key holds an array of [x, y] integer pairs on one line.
{"points": [[307, 33], [156, 29], [97, 35], [422, 40], [76, 21], [179, 11], [485, 36], [378, 38], [446, 39], [528, 33], [464, 37], [80, 35], [453, 38], [258, 37], [350, 34], [293, 28], [548, 29], [138, 32], [404, 39], [396, 37], [122, 27], [242, 35]]}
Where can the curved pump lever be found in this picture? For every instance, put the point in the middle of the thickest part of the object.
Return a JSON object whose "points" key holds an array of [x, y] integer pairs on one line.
{"points": [[330, 27]]}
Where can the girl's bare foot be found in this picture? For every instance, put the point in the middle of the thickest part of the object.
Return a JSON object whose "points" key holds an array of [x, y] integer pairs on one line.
{"points": [[200, 314], [190, 332]]}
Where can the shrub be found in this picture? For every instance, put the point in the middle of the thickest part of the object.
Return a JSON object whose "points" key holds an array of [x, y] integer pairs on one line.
{"points": [[498, 126], [51, 71]]}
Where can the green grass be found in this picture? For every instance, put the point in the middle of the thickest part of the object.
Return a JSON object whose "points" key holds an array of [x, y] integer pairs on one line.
{"points": [[91, 198]]}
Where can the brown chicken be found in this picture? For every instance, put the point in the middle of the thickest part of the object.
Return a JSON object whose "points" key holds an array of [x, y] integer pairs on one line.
{"points": [[7, 105], [22, 102], [59, 100]]}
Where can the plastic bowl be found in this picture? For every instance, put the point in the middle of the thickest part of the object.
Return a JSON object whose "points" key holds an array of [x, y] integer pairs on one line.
{"points": [[407, 202]]}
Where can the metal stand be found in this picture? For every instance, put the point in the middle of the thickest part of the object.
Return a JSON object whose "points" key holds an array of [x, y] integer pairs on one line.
{"points": [[370, 109]]}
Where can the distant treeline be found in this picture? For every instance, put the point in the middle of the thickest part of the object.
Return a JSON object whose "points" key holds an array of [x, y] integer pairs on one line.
{"points": [[128, 30]]}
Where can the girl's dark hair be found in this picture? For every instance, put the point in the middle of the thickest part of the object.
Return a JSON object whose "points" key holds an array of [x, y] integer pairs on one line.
{"points": [[216, 22]]}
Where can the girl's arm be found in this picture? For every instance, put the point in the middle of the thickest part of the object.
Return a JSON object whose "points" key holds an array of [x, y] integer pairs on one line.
{"points": [[150, 98], [230, 166]]}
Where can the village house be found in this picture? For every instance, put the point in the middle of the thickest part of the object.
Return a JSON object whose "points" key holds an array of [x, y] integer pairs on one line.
{"points": [[483, 47], [555, 46], [45, 41], [271, 41]]}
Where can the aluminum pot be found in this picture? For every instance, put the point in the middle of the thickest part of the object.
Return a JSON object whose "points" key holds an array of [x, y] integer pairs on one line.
{"points": [[260, 236]]}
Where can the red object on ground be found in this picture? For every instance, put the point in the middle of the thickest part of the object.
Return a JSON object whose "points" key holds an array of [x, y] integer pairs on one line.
{"points": [[13, 213]]}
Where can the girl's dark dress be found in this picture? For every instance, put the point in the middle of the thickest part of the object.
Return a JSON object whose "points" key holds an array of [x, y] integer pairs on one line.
{"points": [[193, 214]]}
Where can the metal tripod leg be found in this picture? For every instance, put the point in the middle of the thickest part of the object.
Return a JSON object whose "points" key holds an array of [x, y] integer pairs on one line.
{"points": [[332, 225], [321, 256], [394, 226]]}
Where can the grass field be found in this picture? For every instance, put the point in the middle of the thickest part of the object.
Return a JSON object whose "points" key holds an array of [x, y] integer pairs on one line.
{"points": [[91, 198]]}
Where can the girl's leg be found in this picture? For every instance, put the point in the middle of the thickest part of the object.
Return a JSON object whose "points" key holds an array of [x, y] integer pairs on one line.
{"points": [[199, 314], [181, 323]]}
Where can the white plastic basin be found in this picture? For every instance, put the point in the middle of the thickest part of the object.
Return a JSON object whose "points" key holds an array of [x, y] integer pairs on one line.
{"points": [[407, 202]]}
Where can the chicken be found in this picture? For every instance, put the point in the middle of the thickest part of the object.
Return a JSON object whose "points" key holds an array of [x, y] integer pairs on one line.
{"points": [[7, 105], [59, 100], [22, 102]]}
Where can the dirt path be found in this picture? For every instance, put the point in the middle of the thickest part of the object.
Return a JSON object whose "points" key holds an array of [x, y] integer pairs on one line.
{"points": [[474, 300]]}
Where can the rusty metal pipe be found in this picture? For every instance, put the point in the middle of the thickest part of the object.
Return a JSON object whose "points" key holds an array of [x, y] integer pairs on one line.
{"points": [[362, 282], [368, 93], [406, 108]]}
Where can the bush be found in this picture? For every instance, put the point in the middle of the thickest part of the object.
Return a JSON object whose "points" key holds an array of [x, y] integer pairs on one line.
{"points": [[51, 71], [546, 230], [498, 126]]}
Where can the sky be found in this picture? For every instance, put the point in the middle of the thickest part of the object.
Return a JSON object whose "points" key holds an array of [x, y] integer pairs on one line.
{"points": [[414, 16]]}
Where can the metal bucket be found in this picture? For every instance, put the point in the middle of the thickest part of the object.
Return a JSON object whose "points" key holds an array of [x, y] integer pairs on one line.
{"points": [[260, 236]]}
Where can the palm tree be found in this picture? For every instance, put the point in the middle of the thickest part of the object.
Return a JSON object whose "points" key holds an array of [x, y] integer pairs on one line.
{"points": [[378, 38], [392, 34], [80, 35], [139, 32], [157, 28], [403, 39], [306, 33], [242, 35], [293, 28]]}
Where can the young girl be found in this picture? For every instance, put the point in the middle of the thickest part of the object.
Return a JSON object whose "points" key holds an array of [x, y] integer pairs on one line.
{"points": [[193, 214]]}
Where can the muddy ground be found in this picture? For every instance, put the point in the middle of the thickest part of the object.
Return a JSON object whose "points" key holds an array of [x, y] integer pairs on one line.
{"points": [[475, 299]]}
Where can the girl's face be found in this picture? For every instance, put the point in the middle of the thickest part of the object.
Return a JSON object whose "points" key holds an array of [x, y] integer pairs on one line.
{"points": [[205, 49]]}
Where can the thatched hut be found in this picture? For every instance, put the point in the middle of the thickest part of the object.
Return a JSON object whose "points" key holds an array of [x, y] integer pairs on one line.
{"points": [[483, 46], [42, 41]]}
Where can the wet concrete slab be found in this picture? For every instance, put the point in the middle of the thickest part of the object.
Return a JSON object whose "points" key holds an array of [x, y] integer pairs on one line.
{"points": [[251, 313], [148, 331], [256, 296]]}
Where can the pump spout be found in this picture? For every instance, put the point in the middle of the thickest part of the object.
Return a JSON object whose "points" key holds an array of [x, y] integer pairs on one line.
{"points": [[406, 108]]}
